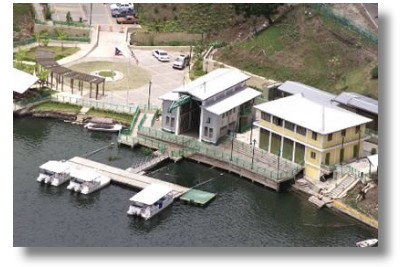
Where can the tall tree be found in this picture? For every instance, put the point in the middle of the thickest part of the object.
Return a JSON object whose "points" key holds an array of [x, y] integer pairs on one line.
{"points": [[257, 10], [61, 35], [42, 75]]}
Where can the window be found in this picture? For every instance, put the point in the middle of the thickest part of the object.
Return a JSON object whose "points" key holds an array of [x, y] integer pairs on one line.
{"points": [[172, 122], [277, 121], [289, 125], [205, 131], [211, 133], [229, 112], [313, 155], [167, 120], [223, 115], [358, 129], [266, 116], [208, 120], [301, 130], [344, 133], [314, 135], [355, 151], [330, 137], [341, 155], [327, 156]]}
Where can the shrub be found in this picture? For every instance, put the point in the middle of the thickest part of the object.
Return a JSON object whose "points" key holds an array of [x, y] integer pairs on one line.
{"points": [[374, 73], [156, 10], [174, 8], [373, 151]]}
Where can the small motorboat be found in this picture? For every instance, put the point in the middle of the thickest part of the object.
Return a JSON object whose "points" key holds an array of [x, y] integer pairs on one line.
{"points": [[102, 124], [150, 201], [87, 181], [368, 243], [54, 173]]}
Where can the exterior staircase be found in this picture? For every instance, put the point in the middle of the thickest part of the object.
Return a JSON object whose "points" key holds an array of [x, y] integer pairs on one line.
{"points": [[345, 185]]}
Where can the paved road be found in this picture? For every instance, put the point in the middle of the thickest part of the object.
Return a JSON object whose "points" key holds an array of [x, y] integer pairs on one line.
{"points": [[61, 10], [372, 11], [101, 14]]}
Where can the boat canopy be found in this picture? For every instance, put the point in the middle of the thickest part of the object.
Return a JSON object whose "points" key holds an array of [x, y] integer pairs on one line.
{"points": [[151, 194], [84, 175], [101, 120], [55, 166]]}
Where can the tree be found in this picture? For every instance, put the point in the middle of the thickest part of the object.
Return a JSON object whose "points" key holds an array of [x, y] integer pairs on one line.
{"points": [[61, 35], [69, 18], [257, 10], [38, 37], [20, 55], [42, 75]]}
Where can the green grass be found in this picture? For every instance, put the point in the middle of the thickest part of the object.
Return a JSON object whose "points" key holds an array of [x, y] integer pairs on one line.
{"points": [[137, 76], [58, 52], [197, 70], [107, 73], [305, 50], [24, 67], [58, 107], [120, 117]]}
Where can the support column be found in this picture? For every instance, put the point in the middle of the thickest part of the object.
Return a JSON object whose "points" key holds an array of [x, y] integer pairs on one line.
{"points": [[178, 117], [81, 86], [294, 151], [62, 83], [57, 81], [97, 90], [90, 95], [201, 123], [104, 82], [72, 86], [269, 142], [281, 152]]}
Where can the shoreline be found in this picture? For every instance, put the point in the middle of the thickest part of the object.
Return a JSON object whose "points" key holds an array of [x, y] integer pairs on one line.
{"points": [[334, 205]]}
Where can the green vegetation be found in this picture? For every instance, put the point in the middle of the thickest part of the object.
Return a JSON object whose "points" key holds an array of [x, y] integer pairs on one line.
{"points": [[310, 49], [23, 20], [374, 72], [58, 107], [58, 52], [107, 73], [197, 70], [120, 117], [24, 67], [146, 150], [365, 206]]}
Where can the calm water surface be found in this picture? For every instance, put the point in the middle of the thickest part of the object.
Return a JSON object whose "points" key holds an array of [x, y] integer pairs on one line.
{"points": [[242, 214]]}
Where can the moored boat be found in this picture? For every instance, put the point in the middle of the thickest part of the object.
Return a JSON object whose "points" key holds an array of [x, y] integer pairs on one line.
{"points": [[105, 125], [150, 201], [87, 181], [368, 243], [54, 173]]}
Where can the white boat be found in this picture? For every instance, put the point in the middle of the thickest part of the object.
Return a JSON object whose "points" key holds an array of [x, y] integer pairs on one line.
{"points": [[150, 201], [103, 124], [54, 173], [87, 181], [368, 243]]}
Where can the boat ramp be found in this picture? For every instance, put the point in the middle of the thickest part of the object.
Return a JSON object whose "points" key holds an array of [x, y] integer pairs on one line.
{"points": [[140, 181]]}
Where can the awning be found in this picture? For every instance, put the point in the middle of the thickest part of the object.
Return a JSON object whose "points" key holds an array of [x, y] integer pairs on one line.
{"points": [[22, 81], [151, 194]]}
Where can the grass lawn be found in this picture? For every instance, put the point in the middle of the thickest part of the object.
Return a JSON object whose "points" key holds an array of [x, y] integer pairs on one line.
{"points": [[58, 107], [24, 67], [58, 52], [137, 76], [120, 117], [308, 50]]}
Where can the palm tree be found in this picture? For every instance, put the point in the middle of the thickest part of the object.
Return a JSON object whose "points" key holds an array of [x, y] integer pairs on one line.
{"points": [[42, 75], [61, 35], [38, 37], [20, 55]]}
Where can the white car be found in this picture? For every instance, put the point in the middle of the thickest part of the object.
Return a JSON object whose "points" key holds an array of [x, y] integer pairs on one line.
{"points": [[161, 55], [121, 6]]}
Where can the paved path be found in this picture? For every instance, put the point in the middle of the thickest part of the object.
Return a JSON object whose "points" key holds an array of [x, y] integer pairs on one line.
{"points": [[372, 12]]}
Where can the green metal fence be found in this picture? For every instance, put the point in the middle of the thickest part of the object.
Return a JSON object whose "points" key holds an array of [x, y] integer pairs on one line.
{"points": [[142, 121], [134, 119], [155, 116], [326, 10], [31, 100]]}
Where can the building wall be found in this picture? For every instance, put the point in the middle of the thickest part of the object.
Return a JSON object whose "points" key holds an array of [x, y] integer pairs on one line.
{"points": [[167, 126]]}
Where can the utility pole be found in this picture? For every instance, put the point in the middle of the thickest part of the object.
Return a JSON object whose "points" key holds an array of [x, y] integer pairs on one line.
{"points": [[233, 138], [148, 101], [90, 16]]}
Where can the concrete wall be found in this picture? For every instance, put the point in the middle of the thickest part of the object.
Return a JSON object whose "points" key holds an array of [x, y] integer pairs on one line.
{"points": [[71, 31], [167, 126], [157, 38]]}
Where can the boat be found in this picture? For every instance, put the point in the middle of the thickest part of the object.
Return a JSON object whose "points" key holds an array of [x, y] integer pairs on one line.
{"points": [[368, 243], [87, 181], [150, 201], [54, 172], [103, 124]]}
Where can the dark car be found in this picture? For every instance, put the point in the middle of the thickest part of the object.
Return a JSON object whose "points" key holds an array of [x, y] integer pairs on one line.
{"points": [[127, 20]]}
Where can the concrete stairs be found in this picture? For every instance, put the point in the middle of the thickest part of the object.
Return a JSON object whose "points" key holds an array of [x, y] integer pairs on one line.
{"points": [[346, 184], [318, 202], [81, 115]]}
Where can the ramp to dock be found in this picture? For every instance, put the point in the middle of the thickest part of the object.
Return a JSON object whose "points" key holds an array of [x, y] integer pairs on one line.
{"points": [[124, 177]]}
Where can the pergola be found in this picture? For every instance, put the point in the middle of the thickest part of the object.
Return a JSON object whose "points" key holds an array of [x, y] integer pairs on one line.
{"points": [[45, 59]]}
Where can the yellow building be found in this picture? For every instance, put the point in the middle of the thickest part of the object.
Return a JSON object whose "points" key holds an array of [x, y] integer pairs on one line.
{"points": [[304, 131]]}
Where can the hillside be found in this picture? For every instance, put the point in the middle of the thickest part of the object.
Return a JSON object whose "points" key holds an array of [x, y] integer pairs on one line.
{"points": [[307, 47], [23, 20]]}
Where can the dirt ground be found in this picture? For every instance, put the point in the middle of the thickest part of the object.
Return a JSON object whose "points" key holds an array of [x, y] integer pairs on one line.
{"points": [[369, 205], [356, 13]]}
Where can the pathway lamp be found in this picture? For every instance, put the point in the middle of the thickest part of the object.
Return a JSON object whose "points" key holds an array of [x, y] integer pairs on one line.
{"points": [[148, 101], [252, 158], [251, 128], [279, 156], [233, 138]]}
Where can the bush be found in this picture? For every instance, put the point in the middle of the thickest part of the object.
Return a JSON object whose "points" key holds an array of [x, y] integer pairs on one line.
{"points": [[174, 8], [374, 73], [156, 10], [373, 151]]}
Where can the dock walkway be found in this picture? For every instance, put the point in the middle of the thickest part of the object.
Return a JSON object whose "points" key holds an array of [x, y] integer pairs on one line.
{"points": [[149, 164]]}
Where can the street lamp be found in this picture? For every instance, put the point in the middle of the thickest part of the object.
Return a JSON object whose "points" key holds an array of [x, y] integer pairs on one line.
{"points": [[252, 158], [148, 101], [251, 129], [233, 138], [279, 156]]}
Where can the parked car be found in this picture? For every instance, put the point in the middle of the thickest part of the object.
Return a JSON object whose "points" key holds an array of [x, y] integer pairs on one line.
{"points": [[161, 55], [123, 6], [181, 62], [128, 20], [121, 13]]}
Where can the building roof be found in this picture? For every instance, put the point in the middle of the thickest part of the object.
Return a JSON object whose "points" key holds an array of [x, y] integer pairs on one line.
{"points": [[233, 101], [22, 81], [151, 194], [311, 115], [171, 96], [84, 175], [374, 160], [357, 101], [309, 92], [55, 166], [213, 83]]}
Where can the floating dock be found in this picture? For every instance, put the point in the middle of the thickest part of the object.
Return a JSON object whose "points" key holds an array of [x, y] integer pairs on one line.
{"points": [[197, 197], [140, 181]]}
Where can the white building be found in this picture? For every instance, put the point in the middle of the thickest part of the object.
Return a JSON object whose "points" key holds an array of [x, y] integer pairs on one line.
{"points": [[210, 106]]}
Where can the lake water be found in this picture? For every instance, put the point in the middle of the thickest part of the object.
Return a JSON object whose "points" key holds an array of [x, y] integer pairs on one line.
{"points": [[242, 214]]}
